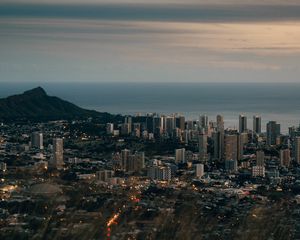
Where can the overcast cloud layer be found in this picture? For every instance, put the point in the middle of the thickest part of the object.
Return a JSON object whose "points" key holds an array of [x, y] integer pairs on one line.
{"points": [[243, 41]]}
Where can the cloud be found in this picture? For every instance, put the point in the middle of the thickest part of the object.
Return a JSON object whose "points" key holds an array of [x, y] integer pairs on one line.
{"points": [[227, 45], [155, 12], [199, 2], [150, 42]]}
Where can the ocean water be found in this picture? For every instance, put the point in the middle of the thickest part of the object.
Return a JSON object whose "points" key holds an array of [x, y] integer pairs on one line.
{"points": [[273, 101]]}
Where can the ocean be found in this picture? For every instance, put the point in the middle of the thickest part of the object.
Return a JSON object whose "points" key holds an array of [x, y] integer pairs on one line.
{"points": [[272, 101]]}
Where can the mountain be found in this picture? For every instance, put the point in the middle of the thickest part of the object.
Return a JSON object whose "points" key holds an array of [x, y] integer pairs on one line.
{"points": [[35, 104]]}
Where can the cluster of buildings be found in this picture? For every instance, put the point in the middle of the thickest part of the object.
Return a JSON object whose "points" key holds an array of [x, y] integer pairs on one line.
{"points": [[234, 148], [56, 160], [201, 141], [125, 160]]}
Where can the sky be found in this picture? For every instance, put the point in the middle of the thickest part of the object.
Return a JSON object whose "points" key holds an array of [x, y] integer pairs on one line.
{"points": [[149, 41]]}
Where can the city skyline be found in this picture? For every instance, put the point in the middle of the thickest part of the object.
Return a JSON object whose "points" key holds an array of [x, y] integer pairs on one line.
{"points": [[190, 100], [138, 119], [68, 172]]}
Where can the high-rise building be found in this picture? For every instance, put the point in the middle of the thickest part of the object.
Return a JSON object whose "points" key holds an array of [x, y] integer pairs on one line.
{"points": [[186, 136], [199, 170], [180, 155], [136, 162], [260, 158], [242, 123], [150, 123], [203, 122], [273, 131], [242, 141], [294, 132], [37, 140], [163, 123], [116, 161], [161, 173], [170, 124], [128, 119], [285, 157], [218, 138], [109, 128], [104, 175], [218, 145], [258, 171], [137, 126], [257, 124], [157, 126], [230, 165], [124, 158], [137, 130], [231, 147], [57, 160], [125, 128], [297, 149], [210, 129], [180, 122], [202, 147], [190, 125], [220, 123]]}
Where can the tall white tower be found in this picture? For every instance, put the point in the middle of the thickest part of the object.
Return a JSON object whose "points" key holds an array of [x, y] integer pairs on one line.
{"points": [[57, 160]]}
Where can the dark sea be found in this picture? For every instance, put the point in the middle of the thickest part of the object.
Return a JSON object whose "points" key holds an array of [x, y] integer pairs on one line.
{"points": [[273, 101]]}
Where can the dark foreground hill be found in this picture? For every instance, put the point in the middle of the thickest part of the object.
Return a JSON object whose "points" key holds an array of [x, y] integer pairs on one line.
{"points": [[35, 104]]}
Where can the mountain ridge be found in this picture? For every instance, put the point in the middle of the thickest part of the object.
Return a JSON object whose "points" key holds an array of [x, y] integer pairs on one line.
{"points": [[36, 104]]}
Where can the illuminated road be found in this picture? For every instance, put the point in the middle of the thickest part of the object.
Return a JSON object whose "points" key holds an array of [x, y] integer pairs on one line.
{"points": [[110, 222]]}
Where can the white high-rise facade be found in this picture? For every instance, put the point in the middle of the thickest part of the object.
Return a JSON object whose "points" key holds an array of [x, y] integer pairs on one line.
{"points": [[199, 170], [37, 140], [257, 124], [180, 155], [57, 160], [242, 123]]}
